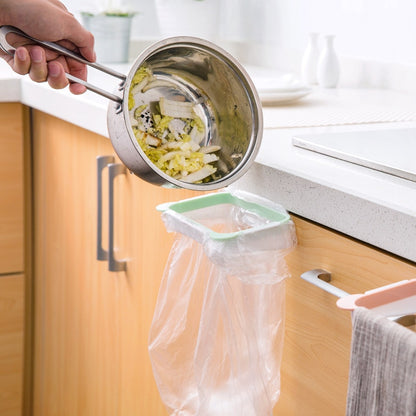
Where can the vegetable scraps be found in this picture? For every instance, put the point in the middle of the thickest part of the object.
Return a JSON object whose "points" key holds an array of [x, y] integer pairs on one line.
{"points": [[170, 133]]}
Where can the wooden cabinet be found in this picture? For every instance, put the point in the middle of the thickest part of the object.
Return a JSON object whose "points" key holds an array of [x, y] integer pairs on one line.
{"points": [[92, 325], [318, 335], [11, 344], [12, 258], [11, 188]]}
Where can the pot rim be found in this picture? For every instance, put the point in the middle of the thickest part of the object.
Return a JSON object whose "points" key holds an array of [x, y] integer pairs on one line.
{"points": [[256, 109]]}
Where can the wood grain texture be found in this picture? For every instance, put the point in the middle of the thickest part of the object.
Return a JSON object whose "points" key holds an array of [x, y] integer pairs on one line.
{"points": [[318, 335], [92, 325], [28, 251], [12, 258], [11, 344], [11, 189]]}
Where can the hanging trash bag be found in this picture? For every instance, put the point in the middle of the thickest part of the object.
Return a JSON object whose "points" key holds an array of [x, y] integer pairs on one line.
{"points": [[216, 338]]}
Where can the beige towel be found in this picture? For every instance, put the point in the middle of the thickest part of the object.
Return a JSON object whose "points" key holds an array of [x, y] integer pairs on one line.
{"points": [[382, 368]]}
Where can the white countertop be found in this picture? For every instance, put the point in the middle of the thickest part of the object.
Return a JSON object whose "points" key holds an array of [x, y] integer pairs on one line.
{"points": [[372, 206]]}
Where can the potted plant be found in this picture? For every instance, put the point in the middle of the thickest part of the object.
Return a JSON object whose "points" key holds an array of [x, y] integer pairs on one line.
{"points": [[111, 26]]}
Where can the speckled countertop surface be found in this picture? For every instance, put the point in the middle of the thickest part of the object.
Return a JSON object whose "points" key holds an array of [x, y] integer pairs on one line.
{"points": [[374, 207]]}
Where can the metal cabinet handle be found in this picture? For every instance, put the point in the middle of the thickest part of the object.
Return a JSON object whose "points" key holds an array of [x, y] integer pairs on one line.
{"points": [[102, 162], [321, 278], [114, 265]]}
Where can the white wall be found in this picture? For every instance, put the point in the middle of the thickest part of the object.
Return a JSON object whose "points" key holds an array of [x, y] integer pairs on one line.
{"points": [[373, 29], [374, 38], [274, 33], [145, 23]]}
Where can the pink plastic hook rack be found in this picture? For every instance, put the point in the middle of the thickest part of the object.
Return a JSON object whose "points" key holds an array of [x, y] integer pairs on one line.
{"points": [[393, 301]]}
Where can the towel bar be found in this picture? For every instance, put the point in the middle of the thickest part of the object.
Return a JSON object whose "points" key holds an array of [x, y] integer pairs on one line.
{"points": [[396, 301], [321, 278]]}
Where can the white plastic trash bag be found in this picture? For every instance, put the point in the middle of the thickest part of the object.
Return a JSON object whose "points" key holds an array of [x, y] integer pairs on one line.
{"points": [[217, 333]]}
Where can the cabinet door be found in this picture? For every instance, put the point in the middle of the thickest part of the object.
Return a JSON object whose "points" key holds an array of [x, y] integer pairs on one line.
{"points": [[92, 325], [11, 188], [11, 259], [317, 338], [11, 344]]}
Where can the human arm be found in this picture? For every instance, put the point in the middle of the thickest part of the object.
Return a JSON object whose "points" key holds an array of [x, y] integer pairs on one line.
{"points": [[47, 20]]}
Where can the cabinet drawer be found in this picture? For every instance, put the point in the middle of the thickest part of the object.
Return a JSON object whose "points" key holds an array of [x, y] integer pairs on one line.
{"points": [[317, 339], [11, 188], [11, 344]]}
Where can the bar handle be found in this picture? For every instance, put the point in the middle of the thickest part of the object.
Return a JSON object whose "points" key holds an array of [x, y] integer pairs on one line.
{"points": [[9, 49], [102, 162], [321, 279], [114, 265]]}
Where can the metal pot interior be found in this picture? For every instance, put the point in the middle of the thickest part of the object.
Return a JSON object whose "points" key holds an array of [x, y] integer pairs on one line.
{"points": [[225, 99]]}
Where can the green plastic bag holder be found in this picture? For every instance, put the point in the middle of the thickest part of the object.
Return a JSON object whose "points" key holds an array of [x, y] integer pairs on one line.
{"points": [[272, 217]]}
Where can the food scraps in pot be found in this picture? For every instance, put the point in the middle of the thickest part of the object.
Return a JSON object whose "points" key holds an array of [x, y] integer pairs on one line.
{"points": [[170, 134]]}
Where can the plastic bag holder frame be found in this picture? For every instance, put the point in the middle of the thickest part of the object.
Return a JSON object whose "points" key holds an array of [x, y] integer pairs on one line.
{"points": [[216, 338], [198, 231]]}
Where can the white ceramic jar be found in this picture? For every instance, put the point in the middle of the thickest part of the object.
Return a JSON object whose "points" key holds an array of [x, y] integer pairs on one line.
{"points": [[328, 69], [310, 60]]}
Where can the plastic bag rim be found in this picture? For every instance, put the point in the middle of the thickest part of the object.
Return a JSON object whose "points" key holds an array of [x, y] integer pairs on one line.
{"points": [[223, 197]]}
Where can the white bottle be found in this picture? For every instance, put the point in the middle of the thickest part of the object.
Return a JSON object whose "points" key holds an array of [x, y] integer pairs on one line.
{"points": [[310, 60], [328, 64]]}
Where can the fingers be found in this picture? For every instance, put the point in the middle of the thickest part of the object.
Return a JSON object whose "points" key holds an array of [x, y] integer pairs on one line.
{"points": [[56, 75], [57, 78], [21, 62], [77, 89], [80, 71], [81, 38], [42, 67], [86, 46], [38, 68], [35, 63], [31, 61]]}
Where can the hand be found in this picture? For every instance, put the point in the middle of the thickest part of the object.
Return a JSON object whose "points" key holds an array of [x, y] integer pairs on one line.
{"points": [[47, 20]]}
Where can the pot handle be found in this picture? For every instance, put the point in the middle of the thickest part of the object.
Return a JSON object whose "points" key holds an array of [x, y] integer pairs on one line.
{"points": [[9, 49]]}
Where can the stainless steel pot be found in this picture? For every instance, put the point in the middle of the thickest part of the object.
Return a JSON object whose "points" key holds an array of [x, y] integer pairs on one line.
{"points": [[199, 72]]}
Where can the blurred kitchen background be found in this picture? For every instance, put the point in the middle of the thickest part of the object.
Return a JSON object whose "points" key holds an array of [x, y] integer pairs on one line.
{"points": [[374, 39]]}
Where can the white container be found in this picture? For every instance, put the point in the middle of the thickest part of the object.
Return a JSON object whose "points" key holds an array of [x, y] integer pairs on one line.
{"points": [[112, 36], [310, 60], [328, 64]]}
